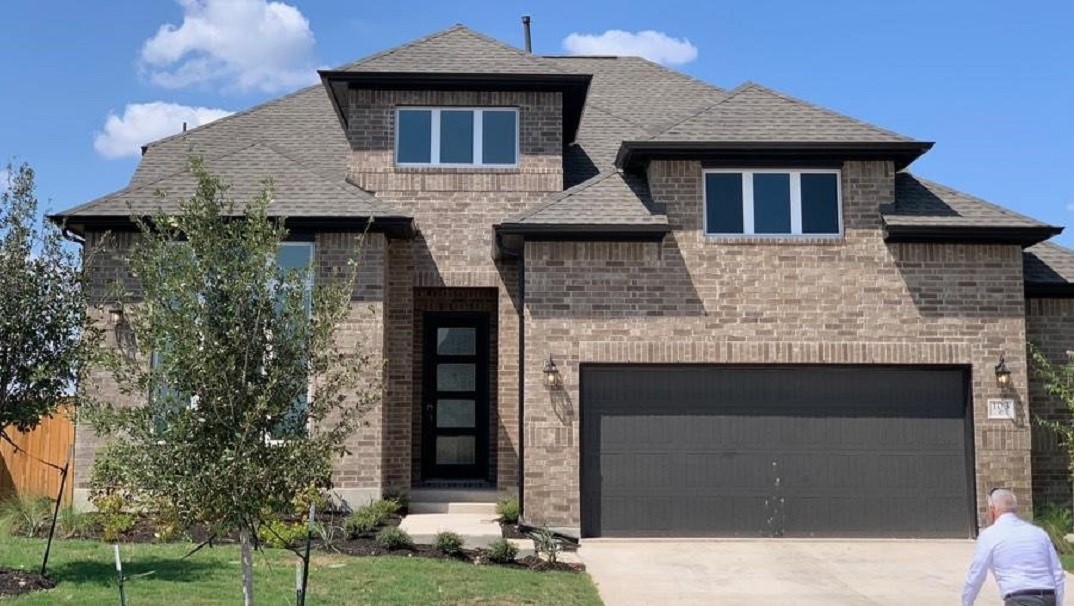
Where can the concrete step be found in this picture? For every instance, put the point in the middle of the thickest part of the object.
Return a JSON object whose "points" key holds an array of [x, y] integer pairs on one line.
{"points": [[453, 495], [485, 509], [477, 530]]}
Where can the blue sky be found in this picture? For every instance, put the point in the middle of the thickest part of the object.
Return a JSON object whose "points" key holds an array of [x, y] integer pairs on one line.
{"points": [[992, 83]]}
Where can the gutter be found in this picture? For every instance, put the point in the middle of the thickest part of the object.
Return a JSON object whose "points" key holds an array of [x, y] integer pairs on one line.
{"points": [[521, 384], [970, 234], [594, 231]]}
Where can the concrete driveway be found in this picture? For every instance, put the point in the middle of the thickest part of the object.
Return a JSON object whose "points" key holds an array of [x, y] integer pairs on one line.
{"points": [[785, 571]]}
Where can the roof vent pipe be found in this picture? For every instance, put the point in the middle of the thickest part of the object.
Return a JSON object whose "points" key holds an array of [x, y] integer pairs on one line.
{"points": [[526, 29]]}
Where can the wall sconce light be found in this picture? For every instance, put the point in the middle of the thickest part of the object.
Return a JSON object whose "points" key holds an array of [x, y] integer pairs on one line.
{"points": [[115, 314], [552, 378], [1003, 372]]}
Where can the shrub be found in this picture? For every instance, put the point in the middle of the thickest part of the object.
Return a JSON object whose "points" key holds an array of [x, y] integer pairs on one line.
{"points": [[73, 524], [449, 543], [279, 534], [393, 537], [359, 523], [26, 516], [112, 518], [311, 495], [1057, 522], [507, 509], [546, 543], [384, 508], [502, 551]]}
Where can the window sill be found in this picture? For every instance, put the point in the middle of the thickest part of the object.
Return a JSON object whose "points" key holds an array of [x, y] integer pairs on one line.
{"points": [[459, 170], [782, 240]]}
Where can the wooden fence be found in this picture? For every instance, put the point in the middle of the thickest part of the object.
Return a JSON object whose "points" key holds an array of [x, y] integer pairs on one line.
{"points": [[22, 470]]}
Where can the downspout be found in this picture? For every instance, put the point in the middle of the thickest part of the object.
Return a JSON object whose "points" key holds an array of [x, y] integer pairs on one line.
{"points": [[522, 382]]}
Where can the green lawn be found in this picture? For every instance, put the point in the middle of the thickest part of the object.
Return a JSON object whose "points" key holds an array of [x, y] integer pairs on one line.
{"points": [[85, 573], [1068, 562]]}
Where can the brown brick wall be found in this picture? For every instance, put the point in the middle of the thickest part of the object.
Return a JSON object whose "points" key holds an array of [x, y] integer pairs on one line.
{"points": [[1050, 326], [850, 300], [454, 211], [359, 471]]}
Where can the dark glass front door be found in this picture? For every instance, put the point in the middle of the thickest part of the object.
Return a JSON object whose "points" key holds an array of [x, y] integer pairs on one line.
{"points": [[455, 395]]}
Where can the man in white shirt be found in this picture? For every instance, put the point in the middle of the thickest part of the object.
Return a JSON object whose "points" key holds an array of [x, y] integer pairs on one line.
{"points": [[1020, 555]]}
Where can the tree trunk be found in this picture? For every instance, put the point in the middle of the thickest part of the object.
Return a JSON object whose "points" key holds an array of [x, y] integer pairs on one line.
{"points": [[247, 555]]}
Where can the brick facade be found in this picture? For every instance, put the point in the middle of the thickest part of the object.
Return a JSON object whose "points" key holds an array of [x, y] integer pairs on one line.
{"points": [[1050, 327], [849, 300], [357, 476]]}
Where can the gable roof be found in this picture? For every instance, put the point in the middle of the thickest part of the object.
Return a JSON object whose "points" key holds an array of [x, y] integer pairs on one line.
{"points": [[752, 112], [298, 192], [611, 202], [1049, 270], [457, 49], [927, 211]]}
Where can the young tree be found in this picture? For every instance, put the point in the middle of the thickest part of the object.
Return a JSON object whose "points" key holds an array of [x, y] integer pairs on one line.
{"points": [[251, 394], [1058, 381], [44, 340]]}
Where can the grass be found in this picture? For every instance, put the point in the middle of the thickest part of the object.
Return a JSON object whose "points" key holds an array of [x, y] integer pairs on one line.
{"points": [[1068, 562], [85, 574]]}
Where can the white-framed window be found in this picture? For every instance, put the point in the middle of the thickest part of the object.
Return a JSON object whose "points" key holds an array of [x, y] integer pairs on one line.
{"points": [[456, 136], [773, 202], [295, 256]]}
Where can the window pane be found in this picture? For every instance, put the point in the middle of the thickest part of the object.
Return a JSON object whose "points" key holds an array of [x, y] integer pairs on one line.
{"points": [[498, 137], [456, 413], [455, 377], [456, 341], [294, 256], [293, 424], [456, 137], [771, 203], [820, 203], [723, 199], [456, 450], [415, 135]]}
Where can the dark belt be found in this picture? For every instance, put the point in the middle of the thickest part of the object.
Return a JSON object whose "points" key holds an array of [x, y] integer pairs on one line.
{"points": [[1037, 592]]}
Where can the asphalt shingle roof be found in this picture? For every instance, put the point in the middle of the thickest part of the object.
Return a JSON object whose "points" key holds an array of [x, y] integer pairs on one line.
{"points": [[298, 138], [754, 113], [457, 49], [297, 191], [1048, 264], [921, 202], [610, 198]]}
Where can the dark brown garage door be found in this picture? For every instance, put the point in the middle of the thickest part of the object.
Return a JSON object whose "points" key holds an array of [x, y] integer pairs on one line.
{"points": [[774, 451]]}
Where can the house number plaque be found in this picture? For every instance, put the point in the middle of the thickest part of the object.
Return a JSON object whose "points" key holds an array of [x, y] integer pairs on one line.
{"points": [[1001, 409]]}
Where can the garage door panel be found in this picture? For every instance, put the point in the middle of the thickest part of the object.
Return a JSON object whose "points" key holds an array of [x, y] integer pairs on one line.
{"points": [[788, 451]]}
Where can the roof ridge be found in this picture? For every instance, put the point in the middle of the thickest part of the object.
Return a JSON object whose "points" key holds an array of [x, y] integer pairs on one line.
{"points": [[558, 197], [394, 49], [233, 115], [993, 205], [781, 95], [730, 95]]}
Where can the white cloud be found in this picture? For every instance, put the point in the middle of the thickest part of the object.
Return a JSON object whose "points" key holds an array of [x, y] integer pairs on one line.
{"points": [[143, 123], [653, 45], [242, 44]]}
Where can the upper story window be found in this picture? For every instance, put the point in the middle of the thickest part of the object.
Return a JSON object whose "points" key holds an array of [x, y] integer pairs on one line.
{"points": [[456, 136], [773, 202]]}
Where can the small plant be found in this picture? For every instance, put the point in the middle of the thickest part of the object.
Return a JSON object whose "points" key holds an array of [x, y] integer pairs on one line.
{"points": [[546, 543], [26, 516], [507, 509], [394, 538], [384, 508], [360, 523], [311, 495], [399, 496], [449, 543], [113, 520], [502, 551], [1057, 522], [278, 534], [73, 524]]}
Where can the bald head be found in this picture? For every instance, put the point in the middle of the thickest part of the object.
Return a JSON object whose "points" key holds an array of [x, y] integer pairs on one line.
{"points": [[1003, 501]]}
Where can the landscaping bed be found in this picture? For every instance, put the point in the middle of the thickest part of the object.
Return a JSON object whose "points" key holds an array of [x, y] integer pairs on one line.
{"points": [[17, 582]]}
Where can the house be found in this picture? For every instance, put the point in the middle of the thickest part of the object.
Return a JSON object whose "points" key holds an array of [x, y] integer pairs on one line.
{"points": [[645, 304]]}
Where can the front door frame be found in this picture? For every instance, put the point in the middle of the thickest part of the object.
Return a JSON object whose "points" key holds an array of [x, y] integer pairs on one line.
{"points": [[431, 321]]}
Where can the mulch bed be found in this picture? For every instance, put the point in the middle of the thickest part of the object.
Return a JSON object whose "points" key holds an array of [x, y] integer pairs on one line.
{"points": [[18, 582]]}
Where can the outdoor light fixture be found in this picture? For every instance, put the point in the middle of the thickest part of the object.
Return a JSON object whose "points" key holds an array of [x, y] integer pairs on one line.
{"points": [[551, 374], [1003, 372], [115, 314]]}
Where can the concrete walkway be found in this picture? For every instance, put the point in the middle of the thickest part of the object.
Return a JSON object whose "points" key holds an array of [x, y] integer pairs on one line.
{"points": [[786, 571]]}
